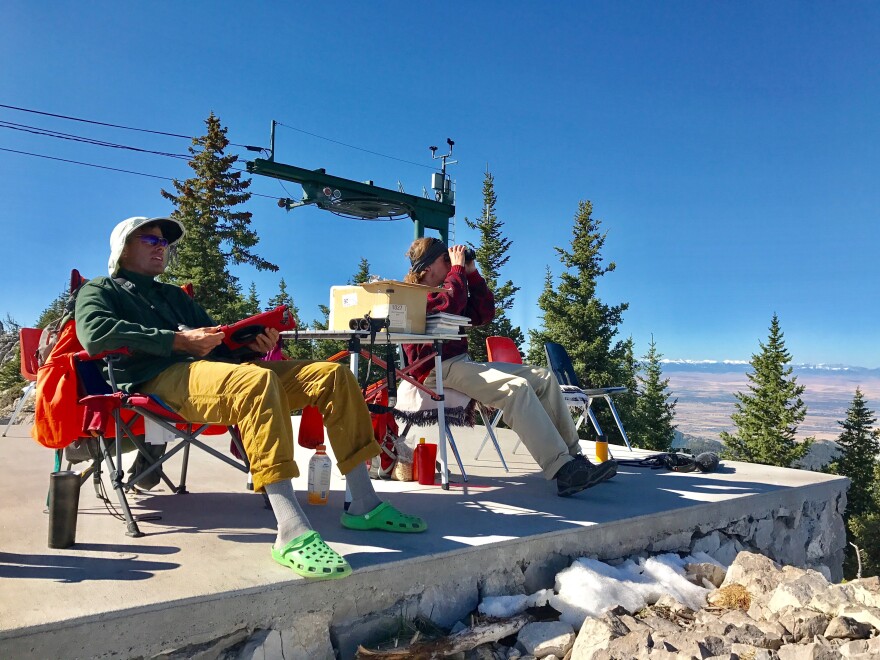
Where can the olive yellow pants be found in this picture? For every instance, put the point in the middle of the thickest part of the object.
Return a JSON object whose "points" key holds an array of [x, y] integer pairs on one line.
{"points": [[259, 397]]}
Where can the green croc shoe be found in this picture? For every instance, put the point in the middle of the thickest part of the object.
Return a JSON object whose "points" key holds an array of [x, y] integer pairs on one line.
{"points": [[385, 517], [309, 556]]}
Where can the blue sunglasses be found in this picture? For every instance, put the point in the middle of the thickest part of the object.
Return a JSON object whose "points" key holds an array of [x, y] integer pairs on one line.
{"points": [[153, 241]]}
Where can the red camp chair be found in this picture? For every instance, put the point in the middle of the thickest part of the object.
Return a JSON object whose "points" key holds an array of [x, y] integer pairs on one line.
{"points": [[29, 340], [75, 403], [105, 403]]}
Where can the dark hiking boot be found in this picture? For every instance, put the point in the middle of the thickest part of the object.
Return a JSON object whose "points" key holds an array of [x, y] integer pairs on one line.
{"points": [[610, 470], [579, 474]]}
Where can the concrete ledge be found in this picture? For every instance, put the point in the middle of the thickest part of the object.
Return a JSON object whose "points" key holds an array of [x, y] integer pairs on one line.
{"points": [[203, 572]]}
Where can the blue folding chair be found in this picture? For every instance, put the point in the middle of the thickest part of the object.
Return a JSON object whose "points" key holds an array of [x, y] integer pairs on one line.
{"points": [[577, 397]]}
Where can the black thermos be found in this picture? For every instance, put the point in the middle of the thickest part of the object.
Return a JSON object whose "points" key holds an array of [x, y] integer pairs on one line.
{"points": [[63, 505]]}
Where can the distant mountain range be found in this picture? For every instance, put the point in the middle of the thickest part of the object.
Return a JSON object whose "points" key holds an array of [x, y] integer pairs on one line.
{"points": [[742, 366]]}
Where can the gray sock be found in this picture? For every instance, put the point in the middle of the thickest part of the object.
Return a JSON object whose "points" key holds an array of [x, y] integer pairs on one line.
{"points": [[363, 497], [292, 521]]}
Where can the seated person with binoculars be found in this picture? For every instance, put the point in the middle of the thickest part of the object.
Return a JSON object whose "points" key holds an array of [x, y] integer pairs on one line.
{"points": [[176, 354], [530, 397]]}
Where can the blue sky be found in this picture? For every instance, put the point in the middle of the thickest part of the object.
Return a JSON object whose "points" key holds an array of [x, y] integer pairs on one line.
{"points": [[730, 149]]}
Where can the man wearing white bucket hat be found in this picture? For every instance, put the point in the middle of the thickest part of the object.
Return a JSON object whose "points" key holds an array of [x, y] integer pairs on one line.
{"points": [[177, 355]]}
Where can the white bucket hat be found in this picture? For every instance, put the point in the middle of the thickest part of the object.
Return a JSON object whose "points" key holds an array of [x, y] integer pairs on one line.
{"points": [[171, 229]]}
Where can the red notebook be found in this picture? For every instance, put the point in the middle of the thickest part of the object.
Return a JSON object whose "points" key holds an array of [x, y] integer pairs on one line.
{"points": [[245, 331]]}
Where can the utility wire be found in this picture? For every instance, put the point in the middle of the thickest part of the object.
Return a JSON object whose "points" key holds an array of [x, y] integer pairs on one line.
{"points": [[36, 130], [189, 137], [351, 146], [79, 162], [115, 169], [102, 123]]}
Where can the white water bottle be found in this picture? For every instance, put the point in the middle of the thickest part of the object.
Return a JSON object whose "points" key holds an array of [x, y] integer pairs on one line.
{"points": [[319, 476]]}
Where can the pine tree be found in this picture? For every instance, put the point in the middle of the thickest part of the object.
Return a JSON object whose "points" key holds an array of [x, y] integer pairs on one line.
{"points": [[491, 258], [363, 273], [251, 304], [575, 317], [55, 310], [767, 419], [10, 358], [655, 413], [859, 446], [296, 350], [217, 235]]}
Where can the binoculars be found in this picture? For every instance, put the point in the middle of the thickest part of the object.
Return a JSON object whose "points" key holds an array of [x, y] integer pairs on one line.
{"points": [[469, 254], [368, 324]]}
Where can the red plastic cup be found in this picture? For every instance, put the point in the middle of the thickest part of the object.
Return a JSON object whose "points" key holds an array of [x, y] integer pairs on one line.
{"points": [[426, 459]]}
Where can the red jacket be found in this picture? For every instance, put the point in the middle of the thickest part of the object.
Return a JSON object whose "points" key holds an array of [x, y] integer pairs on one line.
{"points": [[466, 295]]}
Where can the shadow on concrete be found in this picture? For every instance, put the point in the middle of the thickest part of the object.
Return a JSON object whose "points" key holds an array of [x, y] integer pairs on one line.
{"points": [[75, 569], [497, 508]]}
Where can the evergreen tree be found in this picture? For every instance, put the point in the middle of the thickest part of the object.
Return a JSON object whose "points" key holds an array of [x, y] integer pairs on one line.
{"points": [[217, 234], [10, 358], [767, 419], [56, 309], [251, 303], [655, 413], [859, 446], [575, 317], [491, 258], [296, 350], [363, 273]]}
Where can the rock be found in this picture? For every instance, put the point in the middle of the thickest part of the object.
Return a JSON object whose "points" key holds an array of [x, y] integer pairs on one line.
{"points": [[543, 638], [726, 554], [869, 615], [866, 591], [747, 634], [774, 632], [753, 652], [811, 651], [843, 627], [757, 573], [660, 624], [797, 593], [831, 600], [803, 624], [595, 635], [711, 573], [634, 645], [708, 544], [860, 648]]}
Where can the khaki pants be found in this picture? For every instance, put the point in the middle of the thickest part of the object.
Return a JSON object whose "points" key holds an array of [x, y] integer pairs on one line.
{"points": [[259, 397], [531, 400]]}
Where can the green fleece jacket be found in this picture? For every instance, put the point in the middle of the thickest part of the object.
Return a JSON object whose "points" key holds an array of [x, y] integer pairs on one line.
{"points": [[143, 316]]}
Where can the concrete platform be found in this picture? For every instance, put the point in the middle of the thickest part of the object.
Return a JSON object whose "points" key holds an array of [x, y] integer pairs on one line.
{"points": [[203, 569]]}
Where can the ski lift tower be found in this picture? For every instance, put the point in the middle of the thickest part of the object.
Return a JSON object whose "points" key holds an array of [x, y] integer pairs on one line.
{"points": [[363, 200]]}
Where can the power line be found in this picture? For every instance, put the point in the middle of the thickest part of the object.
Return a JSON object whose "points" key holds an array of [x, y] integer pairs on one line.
{"points": [[351, 146], [79, 162], [102, 123], [189, 137], [114, 169], [36, 130]]}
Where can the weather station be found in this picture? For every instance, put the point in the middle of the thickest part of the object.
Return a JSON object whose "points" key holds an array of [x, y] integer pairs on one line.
{"points": [[363, 200]]}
